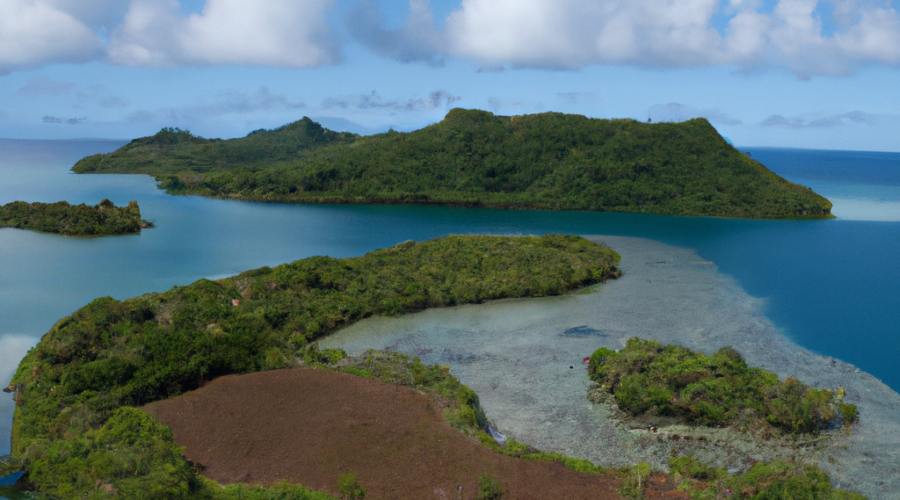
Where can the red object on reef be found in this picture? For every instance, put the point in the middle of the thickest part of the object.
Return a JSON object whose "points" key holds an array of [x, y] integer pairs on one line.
{"points": [[586, 360]]}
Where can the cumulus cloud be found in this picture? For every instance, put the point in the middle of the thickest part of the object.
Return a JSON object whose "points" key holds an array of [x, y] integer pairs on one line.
{"points": [[286, 33], [566, 34], [675, 112], [95, 14], [228, 102], [826, 121], [374, 100], [556, 34], [67, 121], [416, 41], [36, 32]]}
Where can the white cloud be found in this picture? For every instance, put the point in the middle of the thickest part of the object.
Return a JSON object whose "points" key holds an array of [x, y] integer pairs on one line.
{"points": [[95, 14], [288, 33], [568, 34], [35, 32], [416, 41], [572, 33]]}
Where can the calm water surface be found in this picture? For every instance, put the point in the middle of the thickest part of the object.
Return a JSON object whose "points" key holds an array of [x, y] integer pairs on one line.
{"points": [[832, 286]]}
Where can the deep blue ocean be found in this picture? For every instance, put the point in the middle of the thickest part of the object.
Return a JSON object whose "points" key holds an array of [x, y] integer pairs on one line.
{"points": [[833, 286]]}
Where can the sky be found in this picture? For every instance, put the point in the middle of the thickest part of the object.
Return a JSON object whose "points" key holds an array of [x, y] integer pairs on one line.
{"points": [[780, 73]]}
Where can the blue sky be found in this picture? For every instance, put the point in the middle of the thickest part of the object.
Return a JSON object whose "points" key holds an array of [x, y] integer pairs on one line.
{"points": [[787, 73]]}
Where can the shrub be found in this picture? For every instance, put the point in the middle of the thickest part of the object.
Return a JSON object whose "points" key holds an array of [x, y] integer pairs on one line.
{"points": [[689, 467], [349, 487], [635, 482], [849, 412], [489, 488], [647, 378], [777, 481]]}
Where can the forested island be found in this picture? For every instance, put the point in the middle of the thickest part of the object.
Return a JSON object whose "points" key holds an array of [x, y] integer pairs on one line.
{"points": [[103, 219], [649, 379], [475, 158], [76, 426], [83, 427]]}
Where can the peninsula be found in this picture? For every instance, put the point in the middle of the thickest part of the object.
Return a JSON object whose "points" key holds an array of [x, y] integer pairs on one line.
{"points": [[475, 158], [76, 426], [103, 219]]}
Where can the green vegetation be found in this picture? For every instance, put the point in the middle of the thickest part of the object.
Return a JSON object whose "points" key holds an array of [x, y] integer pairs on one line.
{"points": [[173, 151], [102, 219], [512, 448], [278, 491], [9, 465], [463, 409], [647, 378], [474, 158], [350, 488], [489, 488], [635, 480], [764, 481], [76, 427]]}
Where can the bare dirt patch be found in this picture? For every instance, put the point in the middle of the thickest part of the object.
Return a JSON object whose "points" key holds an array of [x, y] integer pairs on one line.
{"points": [[308, 426]]}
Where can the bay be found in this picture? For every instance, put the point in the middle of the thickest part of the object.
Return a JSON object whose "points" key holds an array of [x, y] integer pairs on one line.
{"points": [[831, 286]]}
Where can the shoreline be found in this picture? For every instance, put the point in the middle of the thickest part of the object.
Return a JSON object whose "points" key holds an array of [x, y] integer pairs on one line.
{"points": [[523, 358]]}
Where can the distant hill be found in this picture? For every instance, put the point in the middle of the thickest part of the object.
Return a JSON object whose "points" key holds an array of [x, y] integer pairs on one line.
{"points": [[475, 158]]}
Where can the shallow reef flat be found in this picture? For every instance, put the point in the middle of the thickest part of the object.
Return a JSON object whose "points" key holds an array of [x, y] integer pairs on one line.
{"points": [[524, 359]]}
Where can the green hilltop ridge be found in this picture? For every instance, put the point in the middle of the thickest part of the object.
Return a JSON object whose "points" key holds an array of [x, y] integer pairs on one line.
{"points": [[475, 158], [102, 219]]}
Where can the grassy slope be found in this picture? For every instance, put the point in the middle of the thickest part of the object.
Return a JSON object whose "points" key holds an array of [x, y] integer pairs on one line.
{"points": [[103, 219], [76, 424], [543, 161]]}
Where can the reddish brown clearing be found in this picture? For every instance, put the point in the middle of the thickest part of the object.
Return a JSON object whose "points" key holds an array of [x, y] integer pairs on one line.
{"points": [[307, 426]]}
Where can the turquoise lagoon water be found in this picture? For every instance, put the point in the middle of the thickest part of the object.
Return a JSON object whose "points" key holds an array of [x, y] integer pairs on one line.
{"points": [[832, 286]]}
